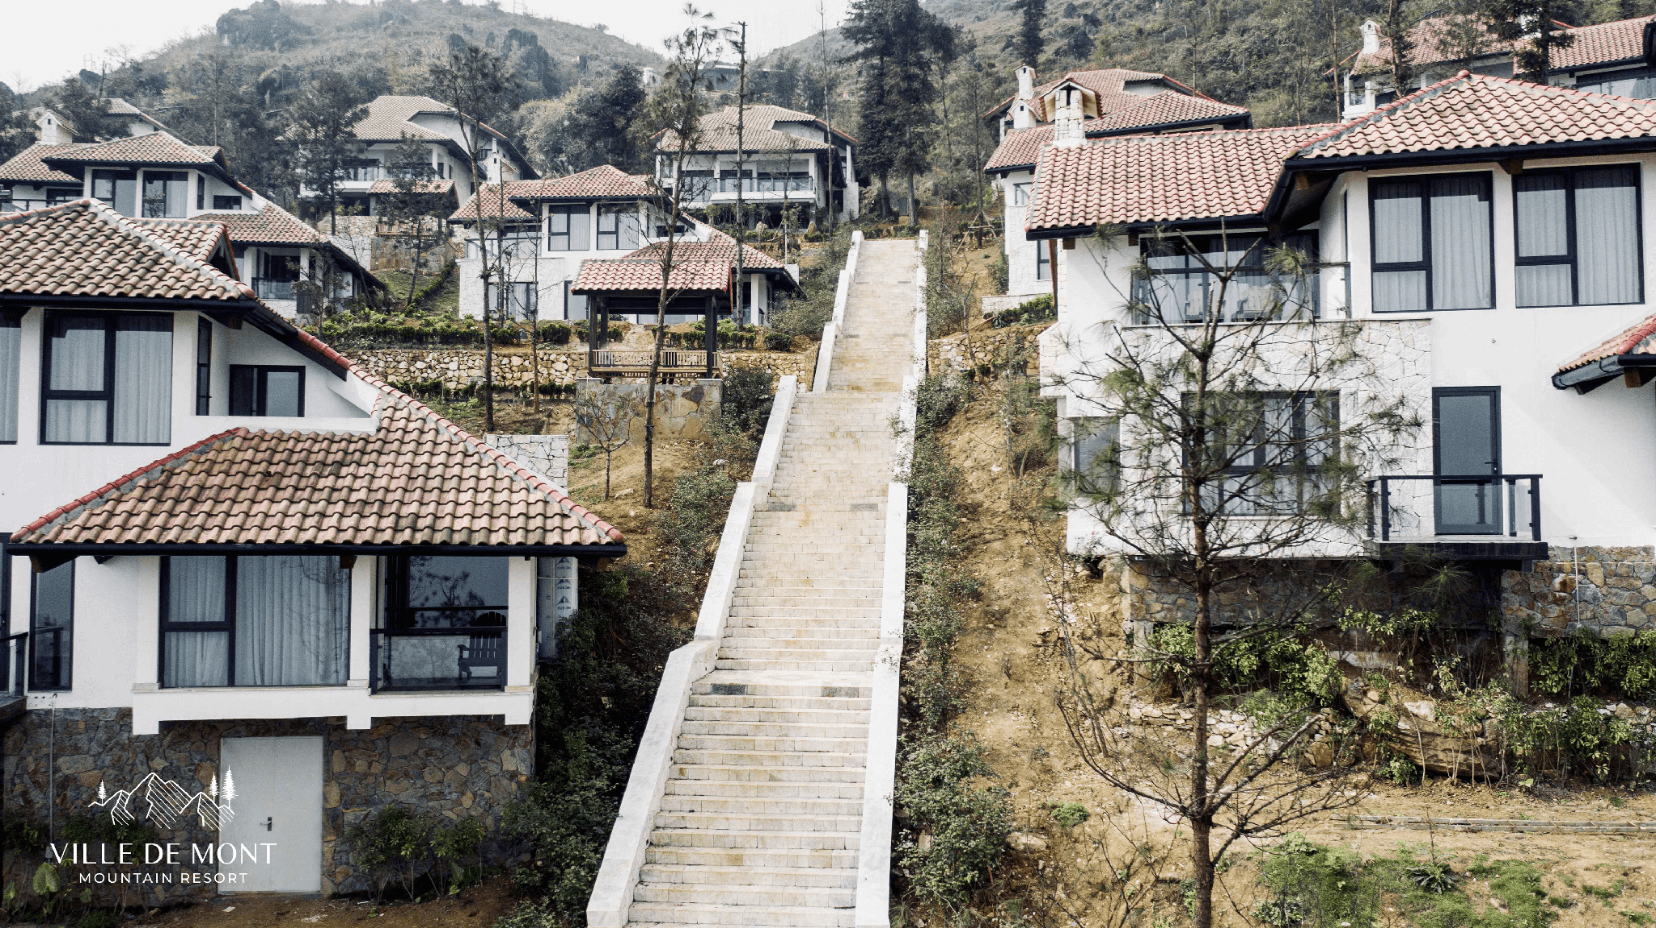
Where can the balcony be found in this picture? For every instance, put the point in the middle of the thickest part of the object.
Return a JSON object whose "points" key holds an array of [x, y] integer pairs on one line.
{"points": [[609, 362], [14, 665], [266, 288], [1479, 517], [428, 659]]}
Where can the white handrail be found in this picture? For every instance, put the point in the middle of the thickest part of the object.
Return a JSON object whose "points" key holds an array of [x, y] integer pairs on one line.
{"points": [[830, 331]]}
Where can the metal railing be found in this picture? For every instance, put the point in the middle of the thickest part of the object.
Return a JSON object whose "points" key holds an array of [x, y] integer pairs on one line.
{"points": [[416, 659], [22, 204], [1472, 506], [266, 288], [673, 360], [14, 666]]}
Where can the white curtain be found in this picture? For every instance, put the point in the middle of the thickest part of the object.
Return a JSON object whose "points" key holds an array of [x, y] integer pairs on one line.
{"points": [[1607, 235], [195, 593], [1399, 233], [1461, 256], [292, 621], [1543, 232], [143, 379], [77, 363], [11, 344]]}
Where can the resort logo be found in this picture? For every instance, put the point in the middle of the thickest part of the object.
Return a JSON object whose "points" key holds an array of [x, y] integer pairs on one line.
{"points": [[162, 803]]}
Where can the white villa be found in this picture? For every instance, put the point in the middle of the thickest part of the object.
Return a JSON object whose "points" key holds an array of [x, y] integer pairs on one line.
{"points": [[227, 549], [788, 159]]}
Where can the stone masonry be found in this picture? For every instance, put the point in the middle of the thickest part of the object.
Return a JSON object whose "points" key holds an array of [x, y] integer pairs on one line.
{"points": [[445, 769], [1609, 592], [458, 368]]}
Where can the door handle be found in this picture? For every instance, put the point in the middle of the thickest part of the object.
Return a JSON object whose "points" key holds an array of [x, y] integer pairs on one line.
{"points": [[269, 822]]}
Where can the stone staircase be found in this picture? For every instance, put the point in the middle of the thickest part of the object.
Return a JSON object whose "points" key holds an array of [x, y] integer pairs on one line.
{"points": [[762, 810]]}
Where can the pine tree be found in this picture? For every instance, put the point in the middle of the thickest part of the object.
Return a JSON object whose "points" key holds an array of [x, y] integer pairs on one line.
{"points": [[1029, 30], [1534, 26], [901, 46], [324, 118], [229, 787]]}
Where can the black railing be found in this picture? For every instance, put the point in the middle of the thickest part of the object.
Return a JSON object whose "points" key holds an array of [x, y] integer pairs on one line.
{"points": [[20, 204], [266, 288], [14, 666], [425, 659], [1431, 505]]}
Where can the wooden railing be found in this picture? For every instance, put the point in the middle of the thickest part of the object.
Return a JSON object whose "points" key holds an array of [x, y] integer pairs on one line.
{"points": [[673, 360]]}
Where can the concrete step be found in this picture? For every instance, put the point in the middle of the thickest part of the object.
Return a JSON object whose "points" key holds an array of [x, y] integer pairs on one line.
{"points": [[801, 759], [863, 640], [717, 875], [743, 894], [799, 741], [768, 595], [772, 731], [758, 773], [751, 665], [766, 791], [756, 821], [786, 635], [755, 840], [851, 585], [739, 806], [779, 703], [759, 858], [843, 611], [683, 915], [723, 685]]}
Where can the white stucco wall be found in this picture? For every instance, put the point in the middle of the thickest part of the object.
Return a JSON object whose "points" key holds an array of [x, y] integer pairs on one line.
{"points": [[1021, 253]]}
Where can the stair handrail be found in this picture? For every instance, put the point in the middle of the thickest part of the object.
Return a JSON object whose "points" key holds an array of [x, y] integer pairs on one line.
{"points": [[830, 331], [880, 773], [629, 840]]}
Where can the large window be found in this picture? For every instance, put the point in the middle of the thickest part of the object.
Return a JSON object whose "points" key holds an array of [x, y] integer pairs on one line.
{"points": [[204, 366], [119, 189], [1639, 83], [617, 227], [518, 301], [444, 625], [11, 354], [52, 628], [567, 228], [1043, 261], [1185, 279], [261, 390], [1432, 243], [254, 621], [1271, 453], [223, 202], [108, 379], [1578, 236], [1020, 193], [1095, 455]]}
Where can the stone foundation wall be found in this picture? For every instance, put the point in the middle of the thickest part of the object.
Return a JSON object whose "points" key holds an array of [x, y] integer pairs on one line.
{"points": [[680, 408], [1610, 592], [458, 368], [992, 346], [448, 768]]}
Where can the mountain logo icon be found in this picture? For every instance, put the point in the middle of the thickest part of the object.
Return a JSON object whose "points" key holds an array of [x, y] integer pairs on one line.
{"points": [[162, 802]]}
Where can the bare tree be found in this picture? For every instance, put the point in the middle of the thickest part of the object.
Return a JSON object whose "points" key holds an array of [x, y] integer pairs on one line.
{"points": [[676, 110], [1399, 21], [1229, 437], [605, 425]]}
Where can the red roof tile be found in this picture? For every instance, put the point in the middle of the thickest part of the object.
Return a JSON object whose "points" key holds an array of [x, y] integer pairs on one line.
{"points": [[270, 226], [1605, 43], [696, 266], [153, 148], [495, 206], [759, 132], [1470, 111], [1638, 338], [1109, 86], [388, 186], [196, 239], [594, 183], [1168, 108], [85, 248], [27, 167], [1602, 44], [1160, 178], [1021, 148]]}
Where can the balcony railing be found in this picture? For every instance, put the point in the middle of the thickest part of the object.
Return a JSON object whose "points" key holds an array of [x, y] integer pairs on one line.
{"points": [[1426, 508], [14, 666], [610, 361], [439, 658], [266, 288], [21, 204]]}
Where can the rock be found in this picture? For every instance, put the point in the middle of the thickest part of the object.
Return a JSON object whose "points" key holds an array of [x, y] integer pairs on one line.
{"points": [[1425, 709], [1025, 842], [1622, 710], [1216, 740], [404, 743]]}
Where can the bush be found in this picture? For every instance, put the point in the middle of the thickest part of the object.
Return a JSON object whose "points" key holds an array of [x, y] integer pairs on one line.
{"points": [[1586, 664], [1029, 312], [776, 341], [1069, 814], [390, 844], [690, 524], [964, 827], [746, 406], [554, 333]]}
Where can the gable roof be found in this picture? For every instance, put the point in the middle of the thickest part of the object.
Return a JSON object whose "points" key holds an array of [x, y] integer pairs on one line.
{"points": [[391, 116], [1109, 85], [1472, 111], [29, 166], [271, 225], [1618, 42], [604, 182], [85, 248], [1637, 339], [1021, 148], [387, 186], [1144, 179], [697, 266], [494, 206], [759, 132], [1168, 108], [152, 148]]}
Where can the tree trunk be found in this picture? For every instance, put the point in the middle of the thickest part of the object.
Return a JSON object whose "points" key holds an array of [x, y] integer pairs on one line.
{"points": [[1201, 816], [914, 204], [488, 362], [649, 410], [419, 255]]}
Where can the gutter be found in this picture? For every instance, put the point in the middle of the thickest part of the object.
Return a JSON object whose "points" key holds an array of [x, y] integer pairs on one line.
{"points": [[1591, 375], [1195, 224]]}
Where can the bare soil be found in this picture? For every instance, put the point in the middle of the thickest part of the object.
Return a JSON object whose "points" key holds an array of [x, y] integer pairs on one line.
{"points": [[477, 907]]}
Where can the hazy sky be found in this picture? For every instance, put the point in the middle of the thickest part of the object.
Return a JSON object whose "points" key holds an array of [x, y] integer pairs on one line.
{"points": [[94, 26]]}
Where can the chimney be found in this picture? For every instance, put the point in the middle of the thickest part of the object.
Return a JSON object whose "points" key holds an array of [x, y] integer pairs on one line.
{"points": [[1371, 37], [1066, 126], [1026, 83]]}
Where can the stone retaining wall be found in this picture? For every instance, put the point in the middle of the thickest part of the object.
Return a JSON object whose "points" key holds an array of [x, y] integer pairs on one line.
{"points": [[1610, 592], [990, 346], [460, 367], [446, 769], [680, 409]]}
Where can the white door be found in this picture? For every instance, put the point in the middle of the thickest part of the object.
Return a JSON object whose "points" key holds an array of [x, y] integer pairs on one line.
{"points": [[273, 841]]}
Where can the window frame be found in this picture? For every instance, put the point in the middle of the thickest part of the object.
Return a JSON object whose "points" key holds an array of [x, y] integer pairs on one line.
{"points": [[614, 213], [1021, 192], [220, 202], [1425, 264], [204, 366], [201, 191], [168, 209], [1193, 267], [397, 614], [115, 176], [261, 387], [1043, 262], [1572, 257], [1302, 401], [107, 394], [567, 212], [67, 681], [1106, 432], [13, 319]]}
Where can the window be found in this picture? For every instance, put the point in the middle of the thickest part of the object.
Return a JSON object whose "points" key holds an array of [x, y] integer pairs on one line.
{"points": [[204, 366], [1272, 459], [119, 189], [567, 228], [1432, 244], [361, 170], [617, 228], [1095, 455], [1020, 193], [227, 202], [52, 628], [56, 196], [575, 304], [254, 621], [1043, 261], [258, 390], [164, 193], [108, 379], [1184, 279], [518, 301], [697, 185], [11, 357], [444, 625], [1578, 237], [1639, 83], [201, 191]]}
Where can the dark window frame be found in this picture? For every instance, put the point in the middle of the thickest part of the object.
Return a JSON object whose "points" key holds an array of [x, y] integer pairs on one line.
{"points": [[1100, 439], [1425, 264], [1573, 255], [1260, 442], [567, 212], [261, 385], [107, 394], [66, 681], [1043, 262], [398, 614], [201, 191], [113, 200], [1253, 263], [204, 366], [613, 213], [14, 319], [222, 201], [165, 204]]}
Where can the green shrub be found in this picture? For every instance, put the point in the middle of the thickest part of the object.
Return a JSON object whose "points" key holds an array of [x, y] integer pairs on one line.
{"points": [[954, 832], [1029, 312], [1069, 814], [390, 844], [747, 397], [453, 846], [1586, 664], [554, 333], [776, 341]]}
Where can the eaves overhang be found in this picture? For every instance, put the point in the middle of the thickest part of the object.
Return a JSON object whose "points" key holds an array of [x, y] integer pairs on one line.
{"points": [[1589, 377], [1188, 224]]}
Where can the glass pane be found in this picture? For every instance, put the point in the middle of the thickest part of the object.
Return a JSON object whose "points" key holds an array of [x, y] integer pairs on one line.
{"points": [[474, 659], [627, 230], [292, 621], [1398, 227], [1399, 291], [1544, 285], [195, 589], [1468, 507], [580, 222], [195, 659], [282, 392], [1543, 227], [457, 591], [51, 635], [77, 346], [11, 346], [77, 421], [1461, 256], [244, 389], [143, 379], [1607, 235], [1466, 435]]}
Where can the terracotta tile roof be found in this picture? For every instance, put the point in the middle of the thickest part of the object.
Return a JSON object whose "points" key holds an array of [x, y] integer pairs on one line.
{"points": [[190, 236], [758, 131], [1167, 108], [1638, 338], [270, 226], [696, 266], [85, 248], [120, 107], [1021, 148], [387, 186], [1470, 111], [594, 183], [494, 206], [1108, 85], [389, 118], [417, 479], [1605, 43], [28, 166], [153, 148], [1161, 178]]}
